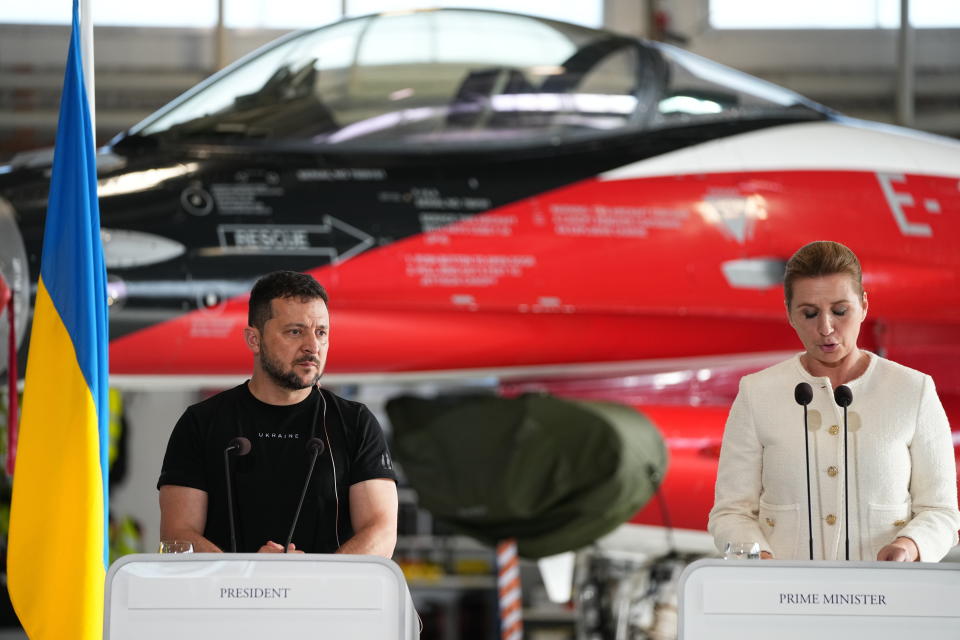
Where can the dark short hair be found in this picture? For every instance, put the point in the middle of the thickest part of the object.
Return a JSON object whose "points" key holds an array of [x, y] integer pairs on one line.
{"points": [[281, 284], [821, 258]]}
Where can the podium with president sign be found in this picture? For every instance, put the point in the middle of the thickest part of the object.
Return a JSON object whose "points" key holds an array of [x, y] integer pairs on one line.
{"points": [[753, 599], [248, 595]]}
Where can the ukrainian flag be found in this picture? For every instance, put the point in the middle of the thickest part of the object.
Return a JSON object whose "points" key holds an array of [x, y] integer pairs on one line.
{"points": [[57, 550]]}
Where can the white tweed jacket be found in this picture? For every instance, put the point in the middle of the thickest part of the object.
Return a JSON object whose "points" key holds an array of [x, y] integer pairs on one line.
{"points": [[902, 474]]}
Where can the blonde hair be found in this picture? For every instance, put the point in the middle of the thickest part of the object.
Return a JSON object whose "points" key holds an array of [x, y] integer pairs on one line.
{"points": [[821, 258]]}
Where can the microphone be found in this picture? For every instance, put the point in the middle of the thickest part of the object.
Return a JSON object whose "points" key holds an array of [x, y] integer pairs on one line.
{"points": [[844, 397], [803, 394], [239, 446], [315, 447]]}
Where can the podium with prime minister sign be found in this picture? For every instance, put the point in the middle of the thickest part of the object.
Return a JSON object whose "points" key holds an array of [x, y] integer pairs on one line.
{"points": [[248, 595], [746, 600]]}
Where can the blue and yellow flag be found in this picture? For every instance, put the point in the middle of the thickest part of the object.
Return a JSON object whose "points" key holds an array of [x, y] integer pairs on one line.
{"points": [[58, 523]]}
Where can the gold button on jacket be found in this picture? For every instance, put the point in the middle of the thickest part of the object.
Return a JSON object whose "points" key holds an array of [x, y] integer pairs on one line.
{"points": [[832, 472], [831, 519], [834, 429]]}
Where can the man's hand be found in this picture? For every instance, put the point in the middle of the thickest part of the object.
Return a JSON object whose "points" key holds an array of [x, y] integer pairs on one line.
{"points": [[900, 550], [766, 555], [273, 547]]}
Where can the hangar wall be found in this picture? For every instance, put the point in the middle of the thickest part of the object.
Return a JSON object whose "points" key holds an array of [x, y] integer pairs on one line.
{"points": [[851, 70]]}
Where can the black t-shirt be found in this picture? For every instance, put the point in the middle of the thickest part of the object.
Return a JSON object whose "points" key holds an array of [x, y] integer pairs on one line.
{"points": [[268, 481]]}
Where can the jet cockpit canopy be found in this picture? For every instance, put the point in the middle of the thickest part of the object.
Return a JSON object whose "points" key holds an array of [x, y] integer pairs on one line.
{"points": [[463, 79]]}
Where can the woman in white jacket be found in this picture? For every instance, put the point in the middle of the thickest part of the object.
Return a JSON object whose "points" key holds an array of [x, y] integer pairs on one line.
{"points": [[901, 475]]}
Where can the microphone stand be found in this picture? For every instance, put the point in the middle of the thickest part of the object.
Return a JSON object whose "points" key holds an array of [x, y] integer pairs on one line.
{"points": [[844, 397], [803, 394], [316, 447], [846, 486], [242, 447], [233, 525], [806, 450]]}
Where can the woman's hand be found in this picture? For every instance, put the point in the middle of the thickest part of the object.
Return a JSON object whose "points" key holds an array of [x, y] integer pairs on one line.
{"points": [[766, 555], [900, 550]]}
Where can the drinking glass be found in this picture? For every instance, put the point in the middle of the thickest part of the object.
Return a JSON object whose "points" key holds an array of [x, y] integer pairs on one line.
{"points": [[742, 551], [175, 546]]}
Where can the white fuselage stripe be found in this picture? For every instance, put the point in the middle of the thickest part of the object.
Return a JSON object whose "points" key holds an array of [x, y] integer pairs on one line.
{"points": [[808, 146]]}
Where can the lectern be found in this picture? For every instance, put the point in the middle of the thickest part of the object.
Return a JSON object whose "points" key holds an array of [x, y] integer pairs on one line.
{"points": [[247, 595], [763, 599]]}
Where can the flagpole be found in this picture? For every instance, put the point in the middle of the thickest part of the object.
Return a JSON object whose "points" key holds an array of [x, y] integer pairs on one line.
{"points": [[86, 49]]}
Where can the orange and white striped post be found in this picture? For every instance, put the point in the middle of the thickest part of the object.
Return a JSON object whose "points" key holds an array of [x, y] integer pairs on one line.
{"points": [[508, 584]]}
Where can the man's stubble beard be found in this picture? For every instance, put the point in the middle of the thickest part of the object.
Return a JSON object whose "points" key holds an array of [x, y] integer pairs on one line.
{"points": [[285, 379]]}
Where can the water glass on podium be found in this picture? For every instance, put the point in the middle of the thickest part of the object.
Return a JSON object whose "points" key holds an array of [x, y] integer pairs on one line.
{"points": [[741, 551], [175, 546]]}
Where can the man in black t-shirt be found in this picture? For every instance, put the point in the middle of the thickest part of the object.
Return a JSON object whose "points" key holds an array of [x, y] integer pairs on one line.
{"points": [[351, 502]]}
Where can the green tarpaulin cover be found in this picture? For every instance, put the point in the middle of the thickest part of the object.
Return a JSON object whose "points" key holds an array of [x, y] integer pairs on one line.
{"points": [[555, 474]]}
